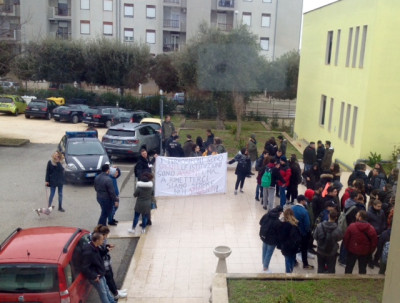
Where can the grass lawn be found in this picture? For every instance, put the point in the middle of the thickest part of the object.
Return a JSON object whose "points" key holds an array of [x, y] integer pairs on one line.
{"points": [[305, 291], [198, 128], [12, 142]]}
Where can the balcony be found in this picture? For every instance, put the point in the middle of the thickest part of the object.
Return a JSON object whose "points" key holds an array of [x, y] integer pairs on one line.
{"points": [[63, 36], [175, 3], [172, 47], [174, 25], [10, 10], [225, 27], [225, 5], [10, 34], [59, 13]]}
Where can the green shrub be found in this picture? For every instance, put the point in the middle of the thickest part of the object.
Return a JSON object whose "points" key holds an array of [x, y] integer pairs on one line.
{"points": [[395, 153], [374, 158]]}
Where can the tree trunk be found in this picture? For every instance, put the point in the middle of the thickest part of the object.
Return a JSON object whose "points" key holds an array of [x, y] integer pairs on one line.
{"points": [[221, 114], [238, 102]]}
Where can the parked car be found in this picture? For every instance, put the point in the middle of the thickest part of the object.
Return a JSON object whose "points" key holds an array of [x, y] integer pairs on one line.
{"points": [[130, 116], [43, 264], [58, 100], [12, 104], [71, 113], [101, 115], [126, 139], [40, 108], [153, 122], [9, 85], [179, 98], [84, 155]]}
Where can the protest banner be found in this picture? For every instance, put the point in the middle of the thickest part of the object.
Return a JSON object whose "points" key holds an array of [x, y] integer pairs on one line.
{"points": [[190, 176]]}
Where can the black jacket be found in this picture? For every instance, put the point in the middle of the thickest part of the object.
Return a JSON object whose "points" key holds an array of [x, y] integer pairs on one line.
{"points": [[309, 156], [175, 149], [143, 165], [270, 226], [105, 188], [210, 140], [92, 262], [243, 166], [54, 174], [377, 219], [320, 152], [289, 239], [357, 174]]}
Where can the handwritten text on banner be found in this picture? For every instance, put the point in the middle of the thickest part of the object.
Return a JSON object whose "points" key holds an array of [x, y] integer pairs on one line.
{"points": [[190, 176]]}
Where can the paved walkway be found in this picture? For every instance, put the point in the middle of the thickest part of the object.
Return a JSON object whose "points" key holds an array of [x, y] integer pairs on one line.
{"points": [[174, 261]]}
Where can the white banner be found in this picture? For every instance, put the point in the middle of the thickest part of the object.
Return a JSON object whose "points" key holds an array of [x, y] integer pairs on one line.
{"points": [[190, 176]]}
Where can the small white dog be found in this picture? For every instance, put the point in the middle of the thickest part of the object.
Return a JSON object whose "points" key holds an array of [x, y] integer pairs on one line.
{"points": [[44, 210]]}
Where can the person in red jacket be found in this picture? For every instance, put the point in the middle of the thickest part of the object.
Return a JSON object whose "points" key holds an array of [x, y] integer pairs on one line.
{"points": [[286, 172], [360, 241]]}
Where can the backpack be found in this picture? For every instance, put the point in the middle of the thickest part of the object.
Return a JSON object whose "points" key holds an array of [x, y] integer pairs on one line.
{"points": [[266, 178], [327, 243], [295, 238], [259, 162], [385, 252], [342, 221]]}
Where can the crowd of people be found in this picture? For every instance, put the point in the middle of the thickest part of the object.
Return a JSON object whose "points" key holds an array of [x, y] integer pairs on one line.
{"points": [[321, 214]]}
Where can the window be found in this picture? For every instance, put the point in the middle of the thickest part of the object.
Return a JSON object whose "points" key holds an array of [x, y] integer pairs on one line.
{"points": [[267, 1], [150, 11], [322, 111], [128, 34], [353, 126], [363, 42], [265, 20], [264, 43], [85, 4], [346, 126], [107, 5], [329, 48], [246, 19], [150, 36], [128, 10], [337, 47], [341, 120], [85, 27], [107, 28], [349, 46], [355, 50], [330, 115]]}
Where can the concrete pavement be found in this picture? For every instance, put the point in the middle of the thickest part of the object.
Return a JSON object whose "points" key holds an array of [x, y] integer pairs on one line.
{"points": [[174, 260]]}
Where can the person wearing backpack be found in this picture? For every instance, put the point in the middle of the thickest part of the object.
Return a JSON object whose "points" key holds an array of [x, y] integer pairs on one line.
{"points": [[242, 168], [261, 162], [327, 234], [360, 241], [269, 230], [289, 239], [269, 180], [301, 214]]}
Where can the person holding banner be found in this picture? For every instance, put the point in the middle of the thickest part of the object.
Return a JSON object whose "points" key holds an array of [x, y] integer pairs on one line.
{"points": [[242, 168]]}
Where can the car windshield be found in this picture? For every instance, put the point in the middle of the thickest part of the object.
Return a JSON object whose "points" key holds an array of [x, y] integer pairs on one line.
{"points": [[80, 148], [121, 133], [37, 103], [5, 100], [28, 278]]}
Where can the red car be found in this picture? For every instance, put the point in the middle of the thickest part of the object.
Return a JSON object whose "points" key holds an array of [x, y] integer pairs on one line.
{"points": [[43, 265]]}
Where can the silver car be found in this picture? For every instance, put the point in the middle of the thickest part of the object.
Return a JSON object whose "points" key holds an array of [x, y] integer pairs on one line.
{"points": [[126, 139]]}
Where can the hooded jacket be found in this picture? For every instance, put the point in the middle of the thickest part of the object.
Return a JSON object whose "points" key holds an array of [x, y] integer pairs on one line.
{"points": [[336, 235], [270, 226], [327, 160], [143, 165], [377, 219], [92, 262], [360, 238], [351, 216], [144, 194], [309, 155]]}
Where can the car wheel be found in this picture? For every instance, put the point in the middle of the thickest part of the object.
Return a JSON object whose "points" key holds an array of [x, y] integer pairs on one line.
{"points": [[27, 116], [75, 119], [48, 116], [16, 112], [56, 119], [108, 124]]}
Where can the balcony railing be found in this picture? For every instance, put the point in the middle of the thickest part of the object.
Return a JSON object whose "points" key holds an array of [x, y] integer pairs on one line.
{"points": [[170, 23], [171, 47], [225, 27], [10, 34], [172, 1], [226, 3], [175, 3], [63, 36], [60, 13]]}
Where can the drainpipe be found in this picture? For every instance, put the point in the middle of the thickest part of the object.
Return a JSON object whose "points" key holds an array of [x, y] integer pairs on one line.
{"points": [[276, 21]]}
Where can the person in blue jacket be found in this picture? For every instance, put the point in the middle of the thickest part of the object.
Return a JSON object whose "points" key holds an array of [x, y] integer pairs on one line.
{"points": [[114, 174]]}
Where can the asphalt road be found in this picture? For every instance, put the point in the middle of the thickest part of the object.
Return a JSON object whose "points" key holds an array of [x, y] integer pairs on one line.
{"points": [[22, 187]]}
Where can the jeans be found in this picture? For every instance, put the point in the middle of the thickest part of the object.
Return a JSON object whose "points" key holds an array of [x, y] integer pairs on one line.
{"points": [[60, 195], [342, 254], [326, 264], [269, 197], [112, 214], [289, 263], [304, 248], [351, 261], [282, 195], [267, 251], [259, 191], [136, 220], [103, 291], [106, 209]]}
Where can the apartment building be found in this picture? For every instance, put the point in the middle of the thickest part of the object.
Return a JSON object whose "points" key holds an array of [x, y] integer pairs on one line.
{"points": [[165, 25], [348, 79]]}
